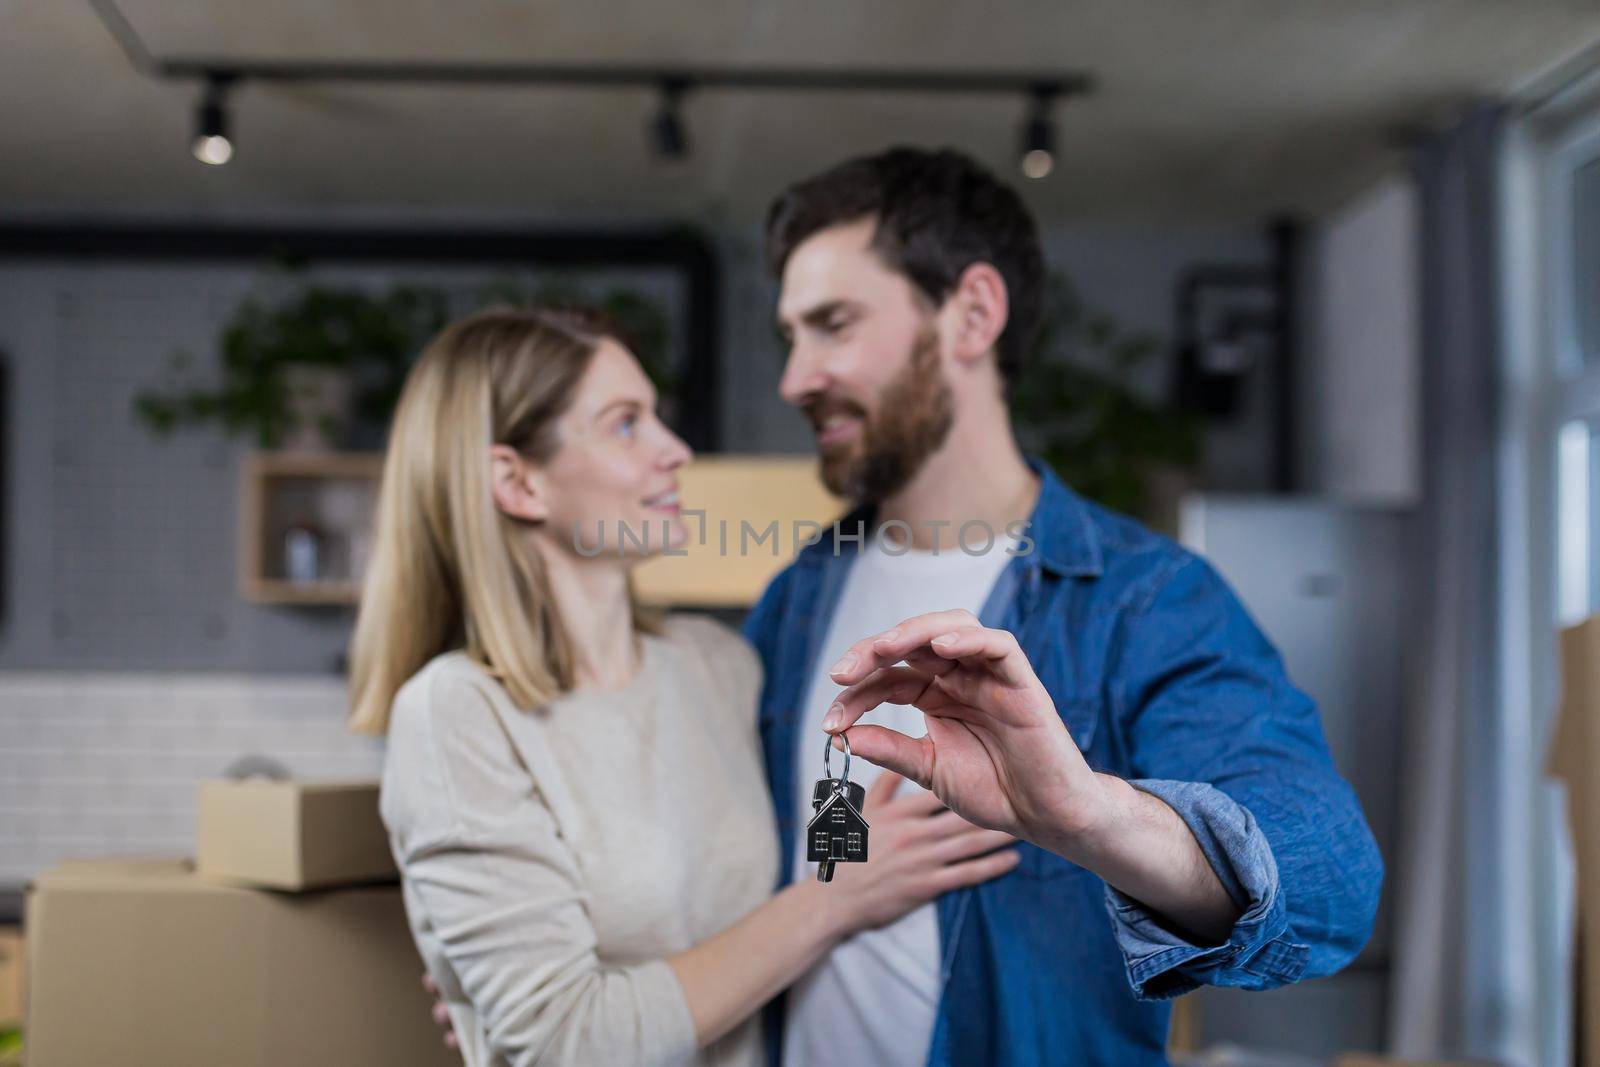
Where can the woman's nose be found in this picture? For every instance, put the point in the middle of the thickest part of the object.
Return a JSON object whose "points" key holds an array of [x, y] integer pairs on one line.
{"points": [[676, 453]]}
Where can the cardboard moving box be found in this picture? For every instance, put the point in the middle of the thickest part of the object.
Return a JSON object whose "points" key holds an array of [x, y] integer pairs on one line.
{"points": [[11, 970], [1574, 753], [291, 835], [747, 533], [136, 962]]}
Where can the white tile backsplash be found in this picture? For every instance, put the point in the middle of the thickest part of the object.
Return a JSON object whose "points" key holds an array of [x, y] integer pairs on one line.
{"points": [[105, 763]]}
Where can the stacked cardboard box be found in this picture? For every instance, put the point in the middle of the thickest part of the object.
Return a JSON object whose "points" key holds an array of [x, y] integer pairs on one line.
{"points": [[291, 835], [145, 961], [1574, 754], [10, 975]]}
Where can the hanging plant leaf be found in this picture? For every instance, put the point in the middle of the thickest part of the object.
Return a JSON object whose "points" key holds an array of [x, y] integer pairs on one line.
{"points": [[1077, 405]]}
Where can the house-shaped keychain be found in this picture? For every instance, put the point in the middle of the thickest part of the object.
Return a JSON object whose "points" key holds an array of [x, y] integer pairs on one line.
{"points": [[837, 831]]}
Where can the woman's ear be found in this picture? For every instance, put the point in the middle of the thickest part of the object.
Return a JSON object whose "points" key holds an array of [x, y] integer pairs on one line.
{"points": [[517, 485], [980, 307]]}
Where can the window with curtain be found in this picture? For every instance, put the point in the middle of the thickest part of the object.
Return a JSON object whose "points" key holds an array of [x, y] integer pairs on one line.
{"points": [[1573, 234], [1553, 498]]}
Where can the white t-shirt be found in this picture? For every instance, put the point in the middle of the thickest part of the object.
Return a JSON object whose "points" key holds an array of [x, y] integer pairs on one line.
{"points": [[873, 999]]}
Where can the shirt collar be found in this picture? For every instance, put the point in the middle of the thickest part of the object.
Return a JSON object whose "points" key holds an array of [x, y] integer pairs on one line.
{"points": [[1060, 526], [1062, 529]]}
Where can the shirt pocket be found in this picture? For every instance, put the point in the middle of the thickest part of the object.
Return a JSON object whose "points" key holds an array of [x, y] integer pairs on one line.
{"points": [[1082, 719], [1073, 682]]}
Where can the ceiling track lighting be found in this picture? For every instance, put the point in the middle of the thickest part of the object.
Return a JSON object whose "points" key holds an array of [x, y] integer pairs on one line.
{"points": [[1037, 156], [212, 142]]}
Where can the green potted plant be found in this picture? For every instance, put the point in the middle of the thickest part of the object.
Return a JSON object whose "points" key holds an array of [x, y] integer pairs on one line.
{"points": [[301, 372], [1077, 404], [295, 374]]}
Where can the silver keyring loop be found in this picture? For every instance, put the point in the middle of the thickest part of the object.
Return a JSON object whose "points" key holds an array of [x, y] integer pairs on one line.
{"points": [[827, 754]]}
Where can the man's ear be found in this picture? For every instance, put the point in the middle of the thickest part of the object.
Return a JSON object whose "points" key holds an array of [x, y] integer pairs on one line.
{"points": [[976, 312], [517, 485]]}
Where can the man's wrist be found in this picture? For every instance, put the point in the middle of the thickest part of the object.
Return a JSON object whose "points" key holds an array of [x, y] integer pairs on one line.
{"points": [[1087, 829]]}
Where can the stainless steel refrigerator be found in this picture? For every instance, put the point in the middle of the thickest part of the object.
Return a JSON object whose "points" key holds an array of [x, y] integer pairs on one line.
{"points": [[1325, 582]]}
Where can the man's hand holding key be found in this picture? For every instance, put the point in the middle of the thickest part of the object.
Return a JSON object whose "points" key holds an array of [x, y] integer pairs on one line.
{"points": [[998, 754], [996, 751]]}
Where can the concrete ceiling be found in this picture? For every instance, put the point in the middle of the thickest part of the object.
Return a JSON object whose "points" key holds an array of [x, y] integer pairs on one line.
{"points": [[1206, 110]]}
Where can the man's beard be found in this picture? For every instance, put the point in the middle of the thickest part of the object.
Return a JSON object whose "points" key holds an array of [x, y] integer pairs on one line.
{"points": [[913, 417]]}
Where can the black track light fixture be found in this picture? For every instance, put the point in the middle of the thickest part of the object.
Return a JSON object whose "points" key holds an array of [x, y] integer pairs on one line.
{"points": [[1038, 154], [212, 143], [667, 134]]}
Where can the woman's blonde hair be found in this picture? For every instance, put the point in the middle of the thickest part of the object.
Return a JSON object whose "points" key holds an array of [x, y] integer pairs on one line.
{"points": [[449, 569]]}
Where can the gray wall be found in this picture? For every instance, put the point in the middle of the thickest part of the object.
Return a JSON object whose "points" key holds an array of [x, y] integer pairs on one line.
{"points": [[1128, 271], [1360, 374], [122, 546]]}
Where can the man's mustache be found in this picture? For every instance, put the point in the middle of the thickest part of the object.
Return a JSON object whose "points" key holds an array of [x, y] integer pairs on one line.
{"points": [[822, 409]]}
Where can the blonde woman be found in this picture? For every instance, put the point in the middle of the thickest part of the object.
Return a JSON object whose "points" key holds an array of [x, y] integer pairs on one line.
{"points": [[574, 792]]}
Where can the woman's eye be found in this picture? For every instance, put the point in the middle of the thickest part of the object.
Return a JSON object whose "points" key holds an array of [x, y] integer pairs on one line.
{"points": [[627, 426]]}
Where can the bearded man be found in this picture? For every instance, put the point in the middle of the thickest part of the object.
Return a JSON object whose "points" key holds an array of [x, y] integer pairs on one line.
{"points": [[1041, 665]]}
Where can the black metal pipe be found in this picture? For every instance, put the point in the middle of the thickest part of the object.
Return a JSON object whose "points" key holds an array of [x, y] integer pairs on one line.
{"points": [[588, 75], [630, 77]]}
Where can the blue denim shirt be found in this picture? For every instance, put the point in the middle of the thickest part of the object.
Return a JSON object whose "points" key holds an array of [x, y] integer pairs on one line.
{"points": [[1163, 680]]}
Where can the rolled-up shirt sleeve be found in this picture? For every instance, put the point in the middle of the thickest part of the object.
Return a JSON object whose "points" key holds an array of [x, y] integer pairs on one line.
{"points": [[500, 890], [1218, 732]]}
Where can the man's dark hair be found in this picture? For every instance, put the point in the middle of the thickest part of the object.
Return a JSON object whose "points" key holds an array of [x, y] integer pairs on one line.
{"points": [[937, 214]]}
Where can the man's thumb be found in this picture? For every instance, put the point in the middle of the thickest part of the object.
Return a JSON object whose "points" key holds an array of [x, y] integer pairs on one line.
{"points": [[899, 756]]}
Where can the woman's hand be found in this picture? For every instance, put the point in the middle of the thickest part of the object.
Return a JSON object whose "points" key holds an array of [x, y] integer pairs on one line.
{"points": [[919, 849], [441, 1014]]}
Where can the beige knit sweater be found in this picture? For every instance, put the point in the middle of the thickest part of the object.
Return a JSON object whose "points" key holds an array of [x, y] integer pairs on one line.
{"points": [[552, 859]]}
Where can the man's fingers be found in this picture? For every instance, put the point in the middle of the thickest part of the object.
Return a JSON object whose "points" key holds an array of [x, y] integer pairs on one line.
{"points": [[429, 986], [924, 659], [890, 646], [887, 685], [441, 1014], [997, 649], [910, 757]]}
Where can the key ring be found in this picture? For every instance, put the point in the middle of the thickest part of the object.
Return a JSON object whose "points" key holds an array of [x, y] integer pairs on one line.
{"points": [[827, 754]]}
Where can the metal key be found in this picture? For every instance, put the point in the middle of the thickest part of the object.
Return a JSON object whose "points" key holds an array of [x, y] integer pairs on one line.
{"points": [[837, 831]]}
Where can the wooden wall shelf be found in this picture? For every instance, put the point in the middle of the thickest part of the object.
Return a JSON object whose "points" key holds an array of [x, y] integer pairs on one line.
{"points": [[337, 491], [330, 492]]}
